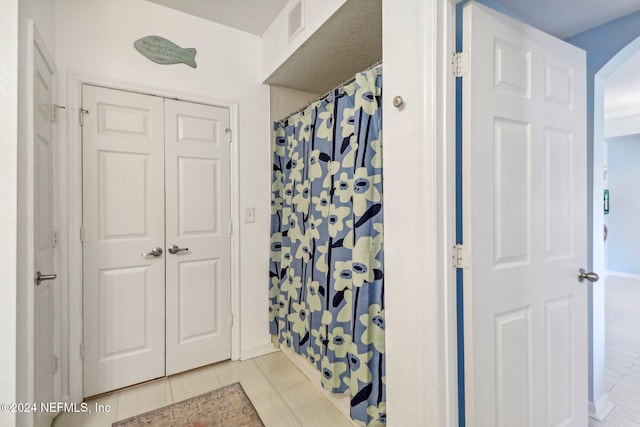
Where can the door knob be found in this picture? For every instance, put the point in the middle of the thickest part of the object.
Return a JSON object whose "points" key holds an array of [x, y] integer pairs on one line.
{"points": [[174, 249], [592, 277], [157, 251], [42, 277]]}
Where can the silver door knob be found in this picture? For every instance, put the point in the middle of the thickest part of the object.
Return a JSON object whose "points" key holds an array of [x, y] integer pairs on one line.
{"points": [[174, 249], [592, 277], [42, 277], [157, 251]]}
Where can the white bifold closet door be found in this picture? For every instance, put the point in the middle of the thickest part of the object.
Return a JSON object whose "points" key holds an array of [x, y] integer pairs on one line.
{"points": [[156, 254], [198, 223]]}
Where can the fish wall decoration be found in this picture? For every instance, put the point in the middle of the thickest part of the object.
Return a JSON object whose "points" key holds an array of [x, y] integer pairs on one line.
{"points": [[163, 51]]}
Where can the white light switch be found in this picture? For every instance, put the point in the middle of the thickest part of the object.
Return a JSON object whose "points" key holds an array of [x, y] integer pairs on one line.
{"points": [[249, 215]]}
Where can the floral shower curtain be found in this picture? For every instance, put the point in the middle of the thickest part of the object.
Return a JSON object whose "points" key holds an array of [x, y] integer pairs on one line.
{"points": [[326, 290]]}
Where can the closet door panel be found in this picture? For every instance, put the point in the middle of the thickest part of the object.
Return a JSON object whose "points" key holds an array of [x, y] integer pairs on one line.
{"points": [[123, 219], [198, 226]]}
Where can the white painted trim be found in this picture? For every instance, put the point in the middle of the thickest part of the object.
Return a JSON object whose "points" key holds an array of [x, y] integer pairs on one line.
{"points": [[597, 386], [446, 215], [74, 222], [259, 350], [419, 308], [236, 310], [622, 274], [341, 401], [74, 205], [600, 409]]}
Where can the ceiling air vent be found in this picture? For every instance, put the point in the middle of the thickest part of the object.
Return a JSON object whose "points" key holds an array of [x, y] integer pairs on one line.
{"points": [[296, 20]]}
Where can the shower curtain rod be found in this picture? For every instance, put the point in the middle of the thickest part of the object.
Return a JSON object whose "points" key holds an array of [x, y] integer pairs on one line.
{"points": [[341, 85]]}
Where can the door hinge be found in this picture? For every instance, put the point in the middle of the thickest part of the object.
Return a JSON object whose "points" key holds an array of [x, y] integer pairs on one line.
{"points": [[460, 63], [82, 112], [54, 111], [54, 238], [231, 228], [227, 130], [82, 350], [56, 364], [461, 257], [230, 320], [82, 234]]}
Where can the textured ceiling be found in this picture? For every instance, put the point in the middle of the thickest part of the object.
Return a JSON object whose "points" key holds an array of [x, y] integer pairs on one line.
{"points": [[253, 16], [351, 38]]}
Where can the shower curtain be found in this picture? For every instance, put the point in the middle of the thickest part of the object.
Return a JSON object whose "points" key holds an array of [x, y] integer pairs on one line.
{"points": [[326, 267]]}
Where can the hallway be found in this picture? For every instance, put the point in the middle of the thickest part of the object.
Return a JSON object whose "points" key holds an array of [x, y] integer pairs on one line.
{"points": [[622, 352]]}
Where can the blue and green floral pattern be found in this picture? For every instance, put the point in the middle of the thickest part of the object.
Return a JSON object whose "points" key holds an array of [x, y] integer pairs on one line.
{"points": [[326, 289]]}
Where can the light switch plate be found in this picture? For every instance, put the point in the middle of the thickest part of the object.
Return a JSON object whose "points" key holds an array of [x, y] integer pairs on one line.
{"points": [[250, 215]]}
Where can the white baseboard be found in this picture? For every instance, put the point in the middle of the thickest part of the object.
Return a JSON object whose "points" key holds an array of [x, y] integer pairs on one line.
{"points": [[601, 408], [259, 350], [623, 274]]}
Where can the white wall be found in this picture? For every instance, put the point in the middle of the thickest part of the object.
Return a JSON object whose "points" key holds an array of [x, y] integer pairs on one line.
{"points": [[94, 39], [285, 101], [8, 165]]}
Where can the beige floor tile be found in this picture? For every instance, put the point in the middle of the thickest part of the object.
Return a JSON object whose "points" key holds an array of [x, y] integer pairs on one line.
{"points": [[105, 417], [279, 370], [274, 412], [311, 407], [248, 374], [144, 398], [299, 405], [193, 383]]}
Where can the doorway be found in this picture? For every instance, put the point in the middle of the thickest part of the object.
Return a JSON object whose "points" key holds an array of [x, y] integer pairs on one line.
{"points": [[613, 304], [156, 237]]}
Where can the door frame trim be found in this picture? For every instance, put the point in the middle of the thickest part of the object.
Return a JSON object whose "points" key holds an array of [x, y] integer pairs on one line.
{"points": [[73, 205]]}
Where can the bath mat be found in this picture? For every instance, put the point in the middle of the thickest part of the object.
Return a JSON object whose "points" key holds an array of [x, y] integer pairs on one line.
{"points": [[228, 406]]}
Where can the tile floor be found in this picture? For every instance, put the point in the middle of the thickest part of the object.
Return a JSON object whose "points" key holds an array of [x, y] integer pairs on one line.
{"points": [[281, 394], [622, 358], [284, 397]]}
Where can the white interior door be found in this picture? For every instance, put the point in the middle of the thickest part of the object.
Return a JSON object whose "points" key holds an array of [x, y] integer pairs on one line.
{"points": [[524, 210], [123, 216], [198, 224], [46, 361]]}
